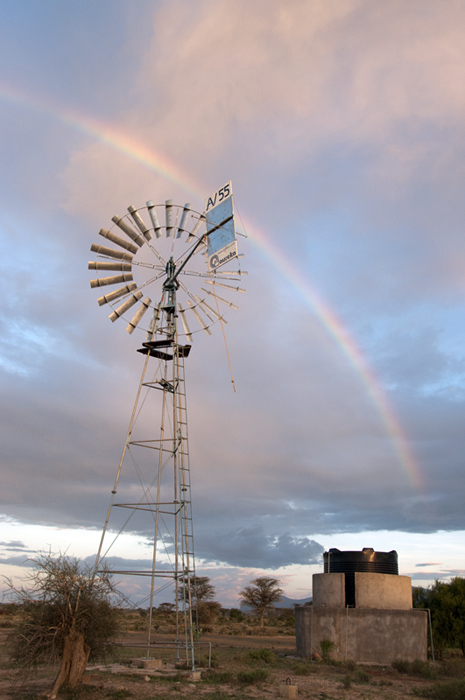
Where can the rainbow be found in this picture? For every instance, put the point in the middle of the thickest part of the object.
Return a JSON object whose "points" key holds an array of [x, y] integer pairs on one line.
{"points": [[344, 341], [120, 141]]}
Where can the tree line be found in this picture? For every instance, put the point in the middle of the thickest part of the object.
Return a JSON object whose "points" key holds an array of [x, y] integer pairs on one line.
{"points": [[259, 596], [446, 602]]}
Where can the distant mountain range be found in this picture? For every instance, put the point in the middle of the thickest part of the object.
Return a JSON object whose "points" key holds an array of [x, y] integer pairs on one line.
{"points": [[283, 603], [290, 602]]}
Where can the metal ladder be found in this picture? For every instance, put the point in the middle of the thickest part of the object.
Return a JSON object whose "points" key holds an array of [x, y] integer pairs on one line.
{"points": [[186, 569]]}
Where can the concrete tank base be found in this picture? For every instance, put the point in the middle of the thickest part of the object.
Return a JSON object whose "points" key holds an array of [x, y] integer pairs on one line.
{"points": [[362, 635]]}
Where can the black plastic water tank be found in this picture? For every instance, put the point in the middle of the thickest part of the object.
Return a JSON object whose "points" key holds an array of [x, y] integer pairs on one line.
{"points": [[367, 560]]}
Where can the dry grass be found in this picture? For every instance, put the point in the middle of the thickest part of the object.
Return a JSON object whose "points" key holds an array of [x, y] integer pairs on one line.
{"points": [[245, 666]]}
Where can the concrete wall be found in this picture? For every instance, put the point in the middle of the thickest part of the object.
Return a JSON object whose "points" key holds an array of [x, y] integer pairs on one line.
{"points": [[329, 590], [383, 591], [363, 635], [372, 590]]}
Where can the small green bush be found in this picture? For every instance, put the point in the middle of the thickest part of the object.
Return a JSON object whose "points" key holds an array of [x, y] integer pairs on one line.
{"points": [[84, 692], [305, 669], [265, 655], [416, 668], [178, 677], [257, 675], [356, 677], [360, 676], [401, 665], [326, 646], [218, 677], [449, 690], [452, 668], [347, 682], [423, 669]]}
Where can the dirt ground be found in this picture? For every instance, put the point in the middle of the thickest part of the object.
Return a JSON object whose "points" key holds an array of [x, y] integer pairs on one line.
{"points": [[231, 655]]}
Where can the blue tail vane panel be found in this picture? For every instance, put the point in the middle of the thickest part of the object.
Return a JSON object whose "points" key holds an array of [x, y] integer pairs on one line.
{"points": [[221, 233]]}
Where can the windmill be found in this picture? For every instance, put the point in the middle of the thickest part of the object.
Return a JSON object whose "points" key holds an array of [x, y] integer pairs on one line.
{"points": [[188, 262]]}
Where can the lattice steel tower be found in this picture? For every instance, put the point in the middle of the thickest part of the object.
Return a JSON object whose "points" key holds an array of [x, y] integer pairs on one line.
{"points": [[184, 260]]}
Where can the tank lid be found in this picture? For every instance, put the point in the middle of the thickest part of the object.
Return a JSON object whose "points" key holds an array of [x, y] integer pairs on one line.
{"points": [[365, 550]]}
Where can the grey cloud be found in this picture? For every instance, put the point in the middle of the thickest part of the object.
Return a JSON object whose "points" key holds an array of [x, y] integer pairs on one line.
{"points": [[23, 562], [116, 563], [15, 546], [436, 575], [253, 547]]}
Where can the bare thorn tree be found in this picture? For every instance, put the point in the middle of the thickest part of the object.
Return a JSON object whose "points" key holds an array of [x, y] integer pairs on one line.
{"points": [[68, 616]]}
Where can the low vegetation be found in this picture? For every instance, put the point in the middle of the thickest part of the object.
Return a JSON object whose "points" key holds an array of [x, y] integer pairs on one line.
{"points": [[249, 667], [445, 690], [415, 668], [248, 662], [326, 646]]}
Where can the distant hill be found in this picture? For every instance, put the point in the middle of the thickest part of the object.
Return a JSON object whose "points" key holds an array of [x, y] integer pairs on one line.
{"points": [[290, 602], [283, 603]]}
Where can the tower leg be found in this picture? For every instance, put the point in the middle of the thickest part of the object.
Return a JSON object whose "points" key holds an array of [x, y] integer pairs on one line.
{"points": [[155, 469]]}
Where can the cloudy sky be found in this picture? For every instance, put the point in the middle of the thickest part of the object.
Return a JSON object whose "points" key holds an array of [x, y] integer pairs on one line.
{"points": [[341, 127]]}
